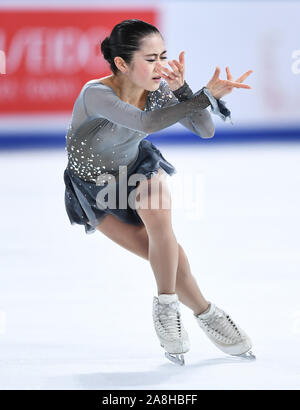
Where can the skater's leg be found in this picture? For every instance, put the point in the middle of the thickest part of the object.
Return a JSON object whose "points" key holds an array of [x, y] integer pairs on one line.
{"points": [[130, 237], [186, 286], [136, 240], [155, 211]]}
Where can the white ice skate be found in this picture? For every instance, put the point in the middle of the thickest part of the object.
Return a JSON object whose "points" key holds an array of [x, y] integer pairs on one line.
{"points": [[169, 329], [224, 333]]}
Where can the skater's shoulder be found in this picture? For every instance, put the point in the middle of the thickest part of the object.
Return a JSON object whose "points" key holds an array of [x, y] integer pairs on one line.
{"points": [[101, 83]]}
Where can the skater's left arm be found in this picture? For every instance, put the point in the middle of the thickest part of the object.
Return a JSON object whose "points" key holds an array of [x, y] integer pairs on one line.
{"points": [[199, 123], [178, 90]]}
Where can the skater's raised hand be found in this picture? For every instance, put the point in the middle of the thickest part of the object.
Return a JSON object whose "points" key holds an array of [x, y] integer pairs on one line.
{"points": [[219, 87], [175, 78]]}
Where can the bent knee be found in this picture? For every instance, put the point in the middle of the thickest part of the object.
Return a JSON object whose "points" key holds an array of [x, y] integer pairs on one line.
{"points": [[156, 220], [153, 194]]}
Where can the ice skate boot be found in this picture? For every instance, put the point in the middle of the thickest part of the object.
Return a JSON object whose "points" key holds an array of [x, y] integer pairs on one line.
{"points": [[169, 328], [224, 333]]}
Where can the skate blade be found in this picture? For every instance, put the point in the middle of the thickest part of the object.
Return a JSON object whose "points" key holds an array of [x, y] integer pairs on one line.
{"points": [[248, 355], [176, 358]]}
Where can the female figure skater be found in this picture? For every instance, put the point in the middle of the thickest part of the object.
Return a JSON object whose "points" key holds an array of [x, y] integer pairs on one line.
{"points": [[110, 120]]}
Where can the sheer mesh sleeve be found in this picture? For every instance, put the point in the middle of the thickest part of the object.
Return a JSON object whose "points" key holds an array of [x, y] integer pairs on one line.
{"points": [[101, 101], [200, 123]]}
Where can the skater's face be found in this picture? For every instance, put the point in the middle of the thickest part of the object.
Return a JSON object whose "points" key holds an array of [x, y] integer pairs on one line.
{"points": [[145, 63]]}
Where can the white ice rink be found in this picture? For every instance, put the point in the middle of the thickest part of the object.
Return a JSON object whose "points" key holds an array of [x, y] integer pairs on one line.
{"points": [[75, 309]]}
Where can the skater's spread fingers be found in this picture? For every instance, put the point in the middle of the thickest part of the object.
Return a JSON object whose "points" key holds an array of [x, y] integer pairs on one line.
{"points": [[229, 76], [244, 76], [169, 73], [181, 58], [179, 66], [216, 75], [236, 84], [174, 67]]}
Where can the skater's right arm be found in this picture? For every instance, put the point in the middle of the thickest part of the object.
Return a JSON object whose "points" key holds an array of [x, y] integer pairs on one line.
{"points": [[101, 101]]}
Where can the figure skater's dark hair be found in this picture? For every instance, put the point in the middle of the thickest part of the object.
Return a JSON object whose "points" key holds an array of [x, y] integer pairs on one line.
{"points": [[124, 40]]}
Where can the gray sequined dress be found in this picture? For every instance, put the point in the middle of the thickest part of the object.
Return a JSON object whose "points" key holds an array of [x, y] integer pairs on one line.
{"points": [[106, 138]]}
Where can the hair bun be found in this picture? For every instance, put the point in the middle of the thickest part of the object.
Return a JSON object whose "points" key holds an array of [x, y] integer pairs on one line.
{"points": [[105, 49], [124, 40]]}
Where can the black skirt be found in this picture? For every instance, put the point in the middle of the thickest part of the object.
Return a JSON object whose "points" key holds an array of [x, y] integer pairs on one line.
{"points": [[81, 201]]}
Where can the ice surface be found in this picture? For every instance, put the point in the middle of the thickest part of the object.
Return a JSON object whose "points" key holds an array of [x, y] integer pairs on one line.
{"points": [[75, 309]]}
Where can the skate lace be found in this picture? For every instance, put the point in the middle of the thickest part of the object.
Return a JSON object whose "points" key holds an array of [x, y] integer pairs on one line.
{"points": [[167, 320], [222, 327]]}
